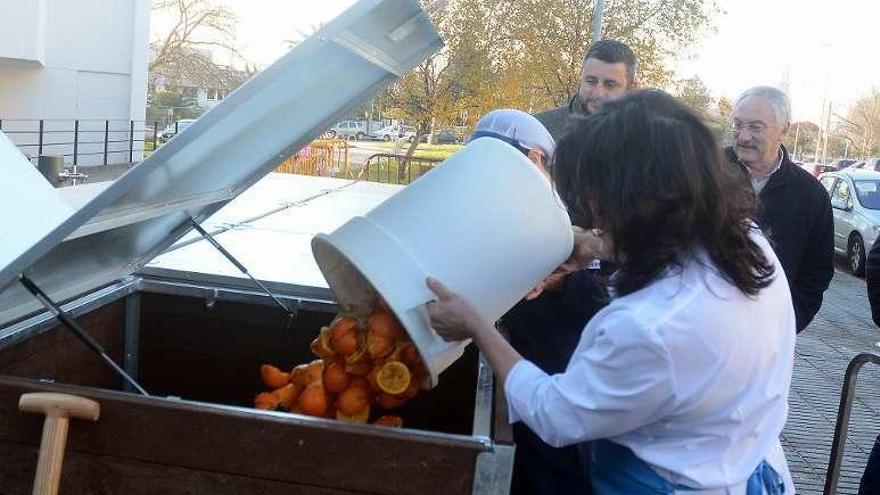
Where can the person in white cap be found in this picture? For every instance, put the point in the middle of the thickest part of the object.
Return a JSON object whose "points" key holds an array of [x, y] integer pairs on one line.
{"points": [[545, 329], [520, 130]]}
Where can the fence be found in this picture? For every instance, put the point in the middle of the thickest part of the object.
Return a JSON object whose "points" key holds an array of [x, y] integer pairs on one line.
{"points": [[84, 141], [391, 168], [330, 158], [323, 158]]}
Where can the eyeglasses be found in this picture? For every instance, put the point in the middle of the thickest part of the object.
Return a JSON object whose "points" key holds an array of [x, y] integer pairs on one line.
{"points": [[754, 128]]}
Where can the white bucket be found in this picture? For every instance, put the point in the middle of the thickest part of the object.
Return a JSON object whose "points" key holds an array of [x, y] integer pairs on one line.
{"points": [[486, 223]]}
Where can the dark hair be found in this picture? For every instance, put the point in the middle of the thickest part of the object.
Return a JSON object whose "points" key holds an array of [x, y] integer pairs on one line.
{"points": [[652, 174], [613, 52]]}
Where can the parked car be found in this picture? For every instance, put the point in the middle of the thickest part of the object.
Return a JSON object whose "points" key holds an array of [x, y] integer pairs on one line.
{"points": [[817, 169], [855, 203], [173, 128], [446, 136], [349, 129], [396, 131], [842, 163], [872, 163]]}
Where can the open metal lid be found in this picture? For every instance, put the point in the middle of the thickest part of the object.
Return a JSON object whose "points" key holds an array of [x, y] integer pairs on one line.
{"points": [[223, 153]]}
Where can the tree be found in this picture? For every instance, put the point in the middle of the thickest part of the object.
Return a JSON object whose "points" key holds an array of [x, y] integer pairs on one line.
{"points": [[861, 126], [693, 93], [169, 106], [807, 135], [527, 53], [183, 54]]}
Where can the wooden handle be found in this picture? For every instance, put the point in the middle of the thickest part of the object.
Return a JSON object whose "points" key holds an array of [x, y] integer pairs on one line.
{"points": [[58, 408], [59, 405], [48, 476]]}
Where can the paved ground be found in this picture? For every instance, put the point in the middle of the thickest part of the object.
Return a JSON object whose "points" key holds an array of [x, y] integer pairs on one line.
{"points": [[842, 329]]}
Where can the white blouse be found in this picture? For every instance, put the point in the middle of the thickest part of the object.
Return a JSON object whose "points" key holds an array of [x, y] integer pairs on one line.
{"points": [[688, 372]]}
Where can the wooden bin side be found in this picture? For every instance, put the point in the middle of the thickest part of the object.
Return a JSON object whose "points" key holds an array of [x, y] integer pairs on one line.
{"points": [[147, 446]]}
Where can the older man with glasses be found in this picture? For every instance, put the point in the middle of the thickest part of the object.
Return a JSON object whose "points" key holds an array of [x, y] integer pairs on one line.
{"points": [[794, 208]]}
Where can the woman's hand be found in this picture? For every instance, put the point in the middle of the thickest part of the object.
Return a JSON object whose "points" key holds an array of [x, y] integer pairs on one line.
{"points": [[455, 318], [452, 316], [589, 245]]}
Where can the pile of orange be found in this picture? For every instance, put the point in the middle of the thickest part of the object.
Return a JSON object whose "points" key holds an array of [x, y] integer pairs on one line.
{"points": [[362, 366]]}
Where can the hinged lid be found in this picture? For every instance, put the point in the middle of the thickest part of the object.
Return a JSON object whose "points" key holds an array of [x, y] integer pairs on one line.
{"points": [[223, 153]]}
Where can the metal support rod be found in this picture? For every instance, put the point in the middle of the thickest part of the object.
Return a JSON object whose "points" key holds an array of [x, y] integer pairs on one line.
{"points": [[40, 145], [131, 142], [77, 330], [106, 138], [131, 336], [75, 142], [843, 414], [240, 267]]}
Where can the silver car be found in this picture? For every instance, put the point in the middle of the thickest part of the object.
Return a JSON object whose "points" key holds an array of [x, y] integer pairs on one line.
{"points": [[855, 202]]}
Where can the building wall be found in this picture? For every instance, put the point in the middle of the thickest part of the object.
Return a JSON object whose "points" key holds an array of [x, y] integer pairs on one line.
{"points": [[62, 61]]}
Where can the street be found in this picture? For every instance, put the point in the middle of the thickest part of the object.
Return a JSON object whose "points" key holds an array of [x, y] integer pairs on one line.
{"points": [[842, 329]]}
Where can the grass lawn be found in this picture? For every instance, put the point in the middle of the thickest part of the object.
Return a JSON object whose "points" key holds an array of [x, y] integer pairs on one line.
{"points": [[430, 151]]}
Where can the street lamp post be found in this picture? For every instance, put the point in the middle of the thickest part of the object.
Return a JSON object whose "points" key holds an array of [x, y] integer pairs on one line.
{"points": [[598, 13]]}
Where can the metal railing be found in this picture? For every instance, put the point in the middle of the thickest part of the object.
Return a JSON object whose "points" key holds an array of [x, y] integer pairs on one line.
{"points": [[83, 141], [322, 158], [389, 168], [330, 158], [843, 415]]}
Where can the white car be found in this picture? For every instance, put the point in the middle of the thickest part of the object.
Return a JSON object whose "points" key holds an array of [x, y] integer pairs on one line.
{"points": [[855, 203], [172, 129], [390, 132], [349, 129]]}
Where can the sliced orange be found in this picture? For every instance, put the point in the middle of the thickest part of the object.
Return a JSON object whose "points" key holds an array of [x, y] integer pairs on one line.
{"points": [[359, 369], [287, 396], [361, 417], [379, 346], [273, 377], [312, 400], [336, 379], [388, 401], [384, 325], [389, 420], [321, 345], [266, 401], [345, 342], [371, 379], [342, 330], [353, 401], [394, 378]]}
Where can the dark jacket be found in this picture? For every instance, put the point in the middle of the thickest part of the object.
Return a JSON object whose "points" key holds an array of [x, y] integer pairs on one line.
{"points": [[546, 331], [558, 120], [872, 277], [795, 214]]}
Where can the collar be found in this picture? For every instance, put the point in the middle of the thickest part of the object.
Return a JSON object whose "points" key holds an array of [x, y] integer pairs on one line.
{"points": [[759, 184]]}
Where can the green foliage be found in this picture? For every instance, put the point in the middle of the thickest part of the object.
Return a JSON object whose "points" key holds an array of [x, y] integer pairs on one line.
{"points": [[527, 53]]}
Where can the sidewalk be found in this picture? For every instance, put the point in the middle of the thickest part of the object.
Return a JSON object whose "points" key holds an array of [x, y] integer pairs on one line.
{"points": [[842, 329]]}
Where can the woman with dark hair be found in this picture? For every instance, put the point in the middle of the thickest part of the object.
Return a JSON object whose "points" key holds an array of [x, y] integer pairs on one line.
{"points": [[683, 379]]}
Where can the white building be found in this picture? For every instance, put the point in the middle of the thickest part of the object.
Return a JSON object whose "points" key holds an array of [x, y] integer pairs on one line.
{"points": [[63, 61]]}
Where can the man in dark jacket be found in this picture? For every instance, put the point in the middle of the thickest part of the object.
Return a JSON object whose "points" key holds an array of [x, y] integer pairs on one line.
{"points": [[872, 277], [870, 482], [794, 208], [608, 71], [546, 330]]}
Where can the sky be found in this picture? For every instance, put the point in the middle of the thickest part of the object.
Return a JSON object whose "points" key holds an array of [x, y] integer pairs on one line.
{"points": [[823, 51]]}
